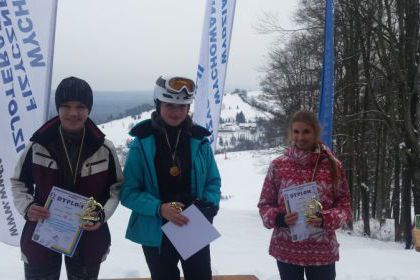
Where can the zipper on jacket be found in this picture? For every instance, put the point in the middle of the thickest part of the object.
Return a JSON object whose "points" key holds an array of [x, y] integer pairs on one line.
{"points": [[89, 164], [43, 155], [46, 156]]}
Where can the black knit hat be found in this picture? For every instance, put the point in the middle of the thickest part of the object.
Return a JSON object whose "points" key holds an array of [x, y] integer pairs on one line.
{"points": [[74, 89]]}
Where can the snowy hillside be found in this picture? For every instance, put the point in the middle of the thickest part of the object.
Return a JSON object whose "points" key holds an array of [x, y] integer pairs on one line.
{"points": [[233, 105], [257, 97]]}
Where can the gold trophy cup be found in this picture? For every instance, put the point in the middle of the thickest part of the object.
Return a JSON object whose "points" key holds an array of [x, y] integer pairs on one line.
{"points": [[92, 213], [314, 208]]}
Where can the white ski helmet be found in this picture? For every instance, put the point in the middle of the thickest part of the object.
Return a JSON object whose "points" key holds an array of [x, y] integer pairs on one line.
{"points": [[174, 89]]}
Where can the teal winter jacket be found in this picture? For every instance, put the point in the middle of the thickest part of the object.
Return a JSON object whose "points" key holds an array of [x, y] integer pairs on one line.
{"points": [[140, 191]]}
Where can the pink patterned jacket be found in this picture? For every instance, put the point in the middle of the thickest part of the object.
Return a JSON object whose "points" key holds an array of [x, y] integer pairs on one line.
{"points": [[296, 167]]}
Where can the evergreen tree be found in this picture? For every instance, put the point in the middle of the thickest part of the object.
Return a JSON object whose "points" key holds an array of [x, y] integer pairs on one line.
{"points": [[240, 117]]}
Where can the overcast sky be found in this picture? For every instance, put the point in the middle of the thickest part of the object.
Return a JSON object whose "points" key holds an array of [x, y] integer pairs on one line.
{"points": [[127, 44]]}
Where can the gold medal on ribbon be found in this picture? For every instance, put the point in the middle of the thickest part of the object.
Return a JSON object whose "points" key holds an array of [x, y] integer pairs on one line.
{"points": [[174, 171]]}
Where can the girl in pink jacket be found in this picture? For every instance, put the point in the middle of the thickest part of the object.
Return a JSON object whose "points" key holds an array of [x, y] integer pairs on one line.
{"points": [[306, 160]]}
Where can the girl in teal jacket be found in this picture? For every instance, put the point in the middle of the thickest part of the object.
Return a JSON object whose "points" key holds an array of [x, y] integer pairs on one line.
{"points": [[169, 166]]}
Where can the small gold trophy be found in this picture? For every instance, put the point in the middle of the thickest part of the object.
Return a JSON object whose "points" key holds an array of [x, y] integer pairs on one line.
{"points": [[416, 233], [92, 213], [314, 208], [177, 206]]}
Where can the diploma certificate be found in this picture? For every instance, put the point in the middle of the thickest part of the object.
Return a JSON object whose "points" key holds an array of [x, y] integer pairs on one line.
{"points": [[61, 231], [297, 199]]}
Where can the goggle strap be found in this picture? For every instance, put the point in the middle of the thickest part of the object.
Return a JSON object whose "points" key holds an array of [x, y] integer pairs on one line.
{"points": [[182, 90], [167, 95]]}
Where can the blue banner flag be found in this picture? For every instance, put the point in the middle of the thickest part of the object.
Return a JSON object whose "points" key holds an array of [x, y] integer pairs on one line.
{"points": [[326, 103]]}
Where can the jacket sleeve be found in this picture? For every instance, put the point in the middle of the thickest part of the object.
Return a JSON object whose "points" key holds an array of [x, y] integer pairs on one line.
{"points": [[22, 182], [213, 180], [267, 204], [340, 214], [133, 193], [116, 180]]}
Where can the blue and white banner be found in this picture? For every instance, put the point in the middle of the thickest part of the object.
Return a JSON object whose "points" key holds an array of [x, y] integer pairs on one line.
{"points": [[326, 103], [27, 30], [214, 54]]}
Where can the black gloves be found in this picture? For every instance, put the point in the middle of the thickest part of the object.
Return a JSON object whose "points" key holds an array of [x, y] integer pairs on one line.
{"points": [[186, 199], [208, 209], [280, 222]]}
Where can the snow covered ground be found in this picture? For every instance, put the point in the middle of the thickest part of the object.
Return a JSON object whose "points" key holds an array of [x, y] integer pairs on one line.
{"points": [[243, 247]]}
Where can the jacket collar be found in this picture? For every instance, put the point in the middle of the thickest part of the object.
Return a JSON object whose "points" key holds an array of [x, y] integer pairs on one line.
{"points": [[48, 132], [307, 158], [155, 125]]}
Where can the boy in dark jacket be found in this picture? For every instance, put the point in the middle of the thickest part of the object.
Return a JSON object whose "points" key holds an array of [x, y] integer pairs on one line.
{"points": [[68, 151]]}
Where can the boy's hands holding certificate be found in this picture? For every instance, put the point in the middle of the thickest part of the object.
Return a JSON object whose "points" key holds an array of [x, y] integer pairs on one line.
{"points": [[36, 213], [59, 221], [91, 227]]}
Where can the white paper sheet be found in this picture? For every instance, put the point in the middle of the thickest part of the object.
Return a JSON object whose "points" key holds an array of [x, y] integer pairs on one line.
{"points": [[194, 236]]}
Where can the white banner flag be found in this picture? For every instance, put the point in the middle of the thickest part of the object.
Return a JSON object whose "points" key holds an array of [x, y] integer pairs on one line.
{"points": [[26, 51], [211, 74]]}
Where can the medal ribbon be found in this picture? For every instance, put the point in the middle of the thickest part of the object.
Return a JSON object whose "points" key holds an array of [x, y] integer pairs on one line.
{"points": [[73, 172], [174, 170]]}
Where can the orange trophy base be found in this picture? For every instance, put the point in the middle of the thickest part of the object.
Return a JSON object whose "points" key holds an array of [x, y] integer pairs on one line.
{"points": [[416, 239]]}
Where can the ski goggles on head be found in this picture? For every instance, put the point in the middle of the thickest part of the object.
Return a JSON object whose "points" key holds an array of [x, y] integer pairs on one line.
{"points": [[177, 85]]}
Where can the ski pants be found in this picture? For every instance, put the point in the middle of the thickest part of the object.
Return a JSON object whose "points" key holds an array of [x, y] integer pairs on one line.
{"points": [[312, 272], [163, 263], [76, 270]]}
